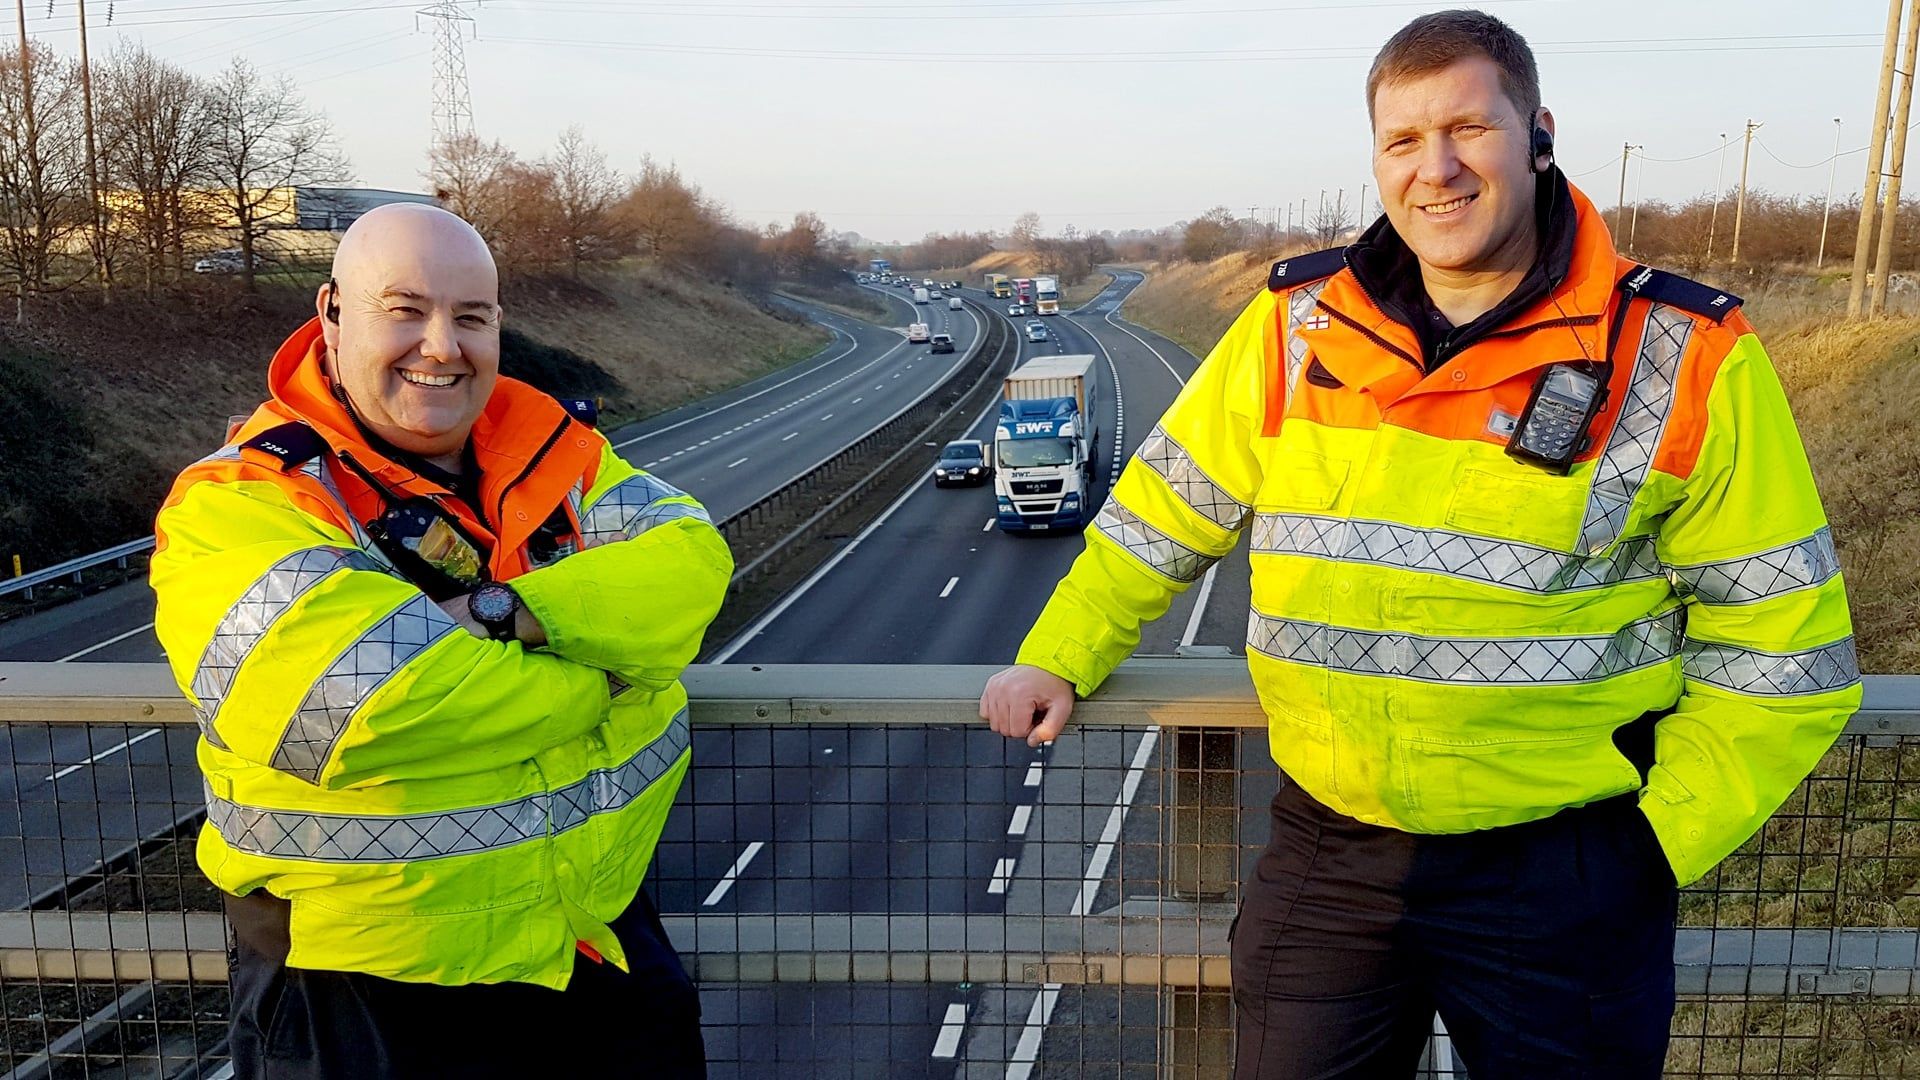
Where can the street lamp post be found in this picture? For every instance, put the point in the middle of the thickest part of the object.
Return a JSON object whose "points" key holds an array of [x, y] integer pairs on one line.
{"points": [[1828, 212]]}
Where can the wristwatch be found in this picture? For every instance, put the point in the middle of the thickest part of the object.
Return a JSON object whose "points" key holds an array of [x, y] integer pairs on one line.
{"points": [[493, 606]]}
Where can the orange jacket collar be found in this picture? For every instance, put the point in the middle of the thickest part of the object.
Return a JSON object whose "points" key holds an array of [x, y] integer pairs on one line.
{"points": [[1363, 347]]}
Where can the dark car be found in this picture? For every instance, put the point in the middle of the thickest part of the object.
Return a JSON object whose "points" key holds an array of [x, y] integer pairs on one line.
{"points": [[942, 343], [963, 461]]}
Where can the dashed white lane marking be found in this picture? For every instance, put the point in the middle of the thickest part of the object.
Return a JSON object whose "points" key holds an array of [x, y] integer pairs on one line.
{"points": [[785, 438], [1033, 774], [1021, 816], [742, 461], [882, 386], [1002, 875], [739, 866], [988, 527], [110, 641], [104, 754], [948, 1044], [948, 591], [826, 418], [857, 401]]}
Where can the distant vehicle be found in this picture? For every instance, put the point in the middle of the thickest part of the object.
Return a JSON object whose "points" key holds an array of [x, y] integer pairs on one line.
{"points": [[1046, 296], [879, 266], [1046, 444], [920, 296], [917, 333], [963, 461], [942, 343], [928, 283], [226, 262], [953, 284], [861, 278], [936, 294], [954, 304], [1036, 331], [1016, 310], [1000, 286], [1022, 290]]}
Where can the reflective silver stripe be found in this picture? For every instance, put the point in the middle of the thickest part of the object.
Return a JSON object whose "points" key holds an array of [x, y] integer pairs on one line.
{"points": [[230, 452], [1623, 465], [1749, 671], [250, 617], [358, 838], [1476, 661], [1802, 565], [360, 670], [1300, 305], [1474, 558], [1190, 483], [1162, 553], [632, 507]]}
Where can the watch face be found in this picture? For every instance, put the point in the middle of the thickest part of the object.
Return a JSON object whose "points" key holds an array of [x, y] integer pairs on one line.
{"points": [[491, 603]]}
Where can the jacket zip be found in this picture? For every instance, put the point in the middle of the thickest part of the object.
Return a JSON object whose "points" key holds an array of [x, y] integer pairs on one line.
{"points": [[500, 511], [1368, 334]]}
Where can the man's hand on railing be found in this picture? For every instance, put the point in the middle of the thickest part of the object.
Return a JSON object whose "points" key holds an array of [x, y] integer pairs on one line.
{"points": [[1026, 702]]}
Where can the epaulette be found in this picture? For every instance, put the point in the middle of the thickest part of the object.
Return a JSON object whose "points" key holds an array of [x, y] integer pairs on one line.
{"points": [[291, 444], [1684, 293], [585, 410], [1301, 269]]}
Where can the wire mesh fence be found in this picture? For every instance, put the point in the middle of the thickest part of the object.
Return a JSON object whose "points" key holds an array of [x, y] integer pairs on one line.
{"points": [[866, 883]]}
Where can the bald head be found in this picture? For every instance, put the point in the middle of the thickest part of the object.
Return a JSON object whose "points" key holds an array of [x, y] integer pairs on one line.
{"points": [[412, 326]]}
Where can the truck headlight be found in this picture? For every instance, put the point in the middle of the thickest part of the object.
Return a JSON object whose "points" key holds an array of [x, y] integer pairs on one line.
{"points": [[1071, 502]]}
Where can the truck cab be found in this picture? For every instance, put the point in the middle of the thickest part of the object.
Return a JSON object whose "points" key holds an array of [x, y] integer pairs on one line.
{"points": [[1045, 445]]}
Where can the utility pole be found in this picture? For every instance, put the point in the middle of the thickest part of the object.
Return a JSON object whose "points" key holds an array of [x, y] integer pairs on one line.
{"points": [[1876, 156], [1289, 217], [1740, 208], [1896, 165], [1719, 189], [1832, 167], [102, 265], [33, 139], [1639, 181], [1361, 213], [1620, 205]]}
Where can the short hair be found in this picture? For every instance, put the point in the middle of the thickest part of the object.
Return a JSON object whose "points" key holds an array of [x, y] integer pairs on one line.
{"points": [[1439, 40]]}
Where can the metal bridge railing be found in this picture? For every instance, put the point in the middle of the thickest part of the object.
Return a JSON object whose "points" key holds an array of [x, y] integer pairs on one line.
{"points": [[865, 880]]}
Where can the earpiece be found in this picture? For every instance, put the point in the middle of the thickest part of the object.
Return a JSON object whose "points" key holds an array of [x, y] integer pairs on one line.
{"points": [[333, 300], [1542, 148]]}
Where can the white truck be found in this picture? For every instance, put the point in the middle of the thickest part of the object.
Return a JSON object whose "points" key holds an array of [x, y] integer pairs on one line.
{"points": [[1045, 445], [1046, 296], [920, 295]]}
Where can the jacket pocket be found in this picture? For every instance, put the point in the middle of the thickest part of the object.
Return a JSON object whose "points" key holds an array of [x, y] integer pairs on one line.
{"points": [[1303, 480], [1541, 509], [1456, 784]]}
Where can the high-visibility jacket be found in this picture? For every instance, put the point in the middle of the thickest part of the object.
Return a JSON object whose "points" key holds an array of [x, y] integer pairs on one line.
{"points": [[436, 807], [1446, 639]]}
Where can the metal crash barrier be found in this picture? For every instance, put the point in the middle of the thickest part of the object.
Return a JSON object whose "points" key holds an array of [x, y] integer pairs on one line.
{"points": [[859, 873]]}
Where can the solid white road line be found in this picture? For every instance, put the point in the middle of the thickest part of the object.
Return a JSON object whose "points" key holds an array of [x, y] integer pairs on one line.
{"points": [[742, 461], [739, 865], [1177, 377], [1021, 816], [1002, 874], [1033, 774], [948, 1044], [1027, 1050], [650, 434], [110, 641], [104, 754], [948, 591], [1199, 606]]}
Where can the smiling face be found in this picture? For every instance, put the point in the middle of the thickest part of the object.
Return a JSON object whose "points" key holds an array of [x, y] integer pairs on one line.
{"points": [[1452, 154], [417, 344]]}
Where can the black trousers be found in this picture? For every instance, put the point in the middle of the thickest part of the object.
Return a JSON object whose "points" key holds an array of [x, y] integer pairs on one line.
{"points": [[1546, 948], [298, 1024]]}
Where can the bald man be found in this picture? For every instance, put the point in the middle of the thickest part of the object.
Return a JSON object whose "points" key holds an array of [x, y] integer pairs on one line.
{"points": [[432, 628]]}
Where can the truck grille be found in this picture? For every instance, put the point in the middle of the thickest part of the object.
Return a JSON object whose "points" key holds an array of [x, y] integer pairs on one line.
{"points": [[1037, 487]]}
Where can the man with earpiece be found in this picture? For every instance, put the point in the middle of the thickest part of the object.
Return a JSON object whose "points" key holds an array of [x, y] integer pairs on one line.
{"points": [[1546, 618]]}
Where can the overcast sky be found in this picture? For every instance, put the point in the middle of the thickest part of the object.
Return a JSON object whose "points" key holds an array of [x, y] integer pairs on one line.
{"points": [[893, 119]]}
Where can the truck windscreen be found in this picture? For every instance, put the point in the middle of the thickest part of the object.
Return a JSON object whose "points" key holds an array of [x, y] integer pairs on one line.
{"points": [[1033, 453]]}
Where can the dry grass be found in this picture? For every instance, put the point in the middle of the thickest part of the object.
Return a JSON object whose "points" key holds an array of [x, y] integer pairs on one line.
{"points": [[1855, 390], [1075, 295]]}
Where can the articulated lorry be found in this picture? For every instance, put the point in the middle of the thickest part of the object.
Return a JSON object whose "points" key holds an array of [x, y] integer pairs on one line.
{"points": [[1000, 286], [1046, 296], [1044, 449]]}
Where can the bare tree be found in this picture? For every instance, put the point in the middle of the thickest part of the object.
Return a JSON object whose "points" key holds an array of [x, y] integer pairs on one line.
{"points": [[471, 178], [1211, 235], [585, 190], [1331, 221], [156, 135], [1026, 230], [265, 143], [528, 236], [665, 214], [43, 185]]}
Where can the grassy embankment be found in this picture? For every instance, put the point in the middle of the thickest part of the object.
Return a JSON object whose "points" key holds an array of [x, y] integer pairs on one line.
{"points": [[100, 408], [1844, 850]]}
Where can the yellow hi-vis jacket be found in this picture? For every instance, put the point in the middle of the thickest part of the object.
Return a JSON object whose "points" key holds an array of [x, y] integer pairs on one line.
{"points": [[436, 807], [1446, 639]]}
